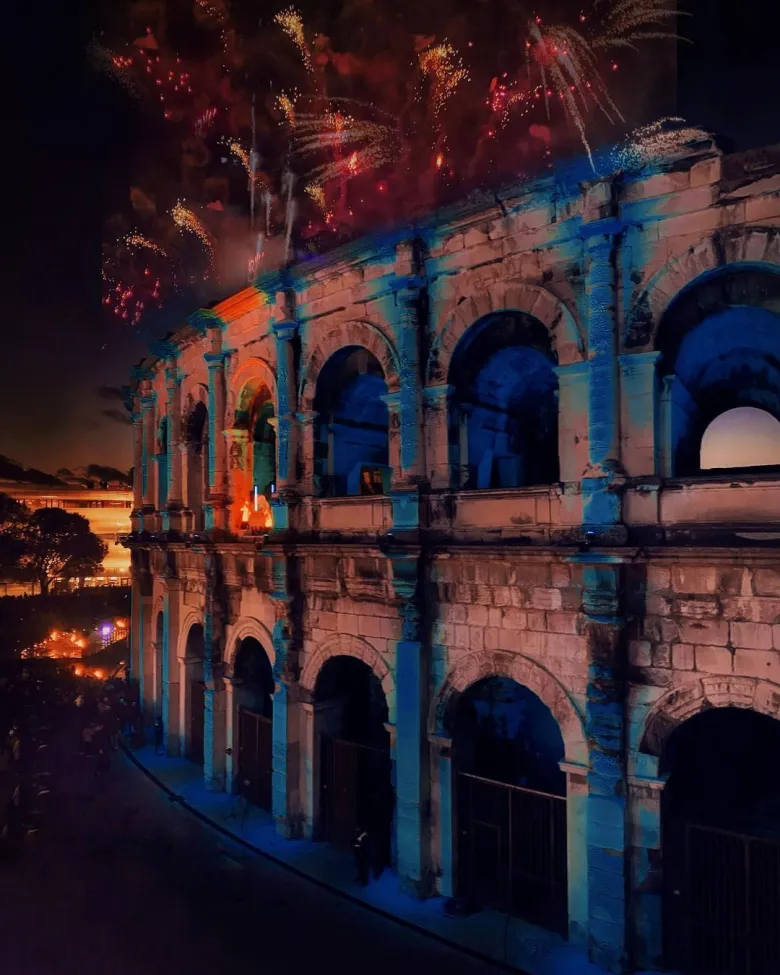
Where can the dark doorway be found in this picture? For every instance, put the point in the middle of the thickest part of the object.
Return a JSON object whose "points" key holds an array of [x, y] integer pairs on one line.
{"points": [[356, 789], [721, 844], [196, 689], [253, 697], [197, 433], [510, 806], [159, 648]]}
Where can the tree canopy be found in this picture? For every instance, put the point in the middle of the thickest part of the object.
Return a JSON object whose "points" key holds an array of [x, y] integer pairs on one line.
{"points": [[46, 544]]}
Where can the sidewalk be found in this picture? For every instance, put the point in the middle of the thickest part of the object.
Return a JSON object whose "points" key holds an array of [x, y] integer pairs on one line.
{"points": [[502, 940]]}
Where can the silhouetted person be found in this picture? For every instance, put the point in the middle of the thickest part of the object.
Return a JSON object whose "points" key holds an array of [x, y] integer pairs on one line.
{"points": [[362, 848], [158, 736]]}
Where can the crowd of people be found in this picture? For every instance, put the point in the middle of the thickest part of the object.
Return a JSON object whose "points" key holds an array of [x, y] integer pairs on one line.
{"points": [[38, 700]]}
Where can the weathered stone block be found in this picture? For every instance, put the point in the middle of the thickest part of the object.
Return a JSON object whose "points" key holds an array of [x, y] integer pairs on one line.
{"points": [[546, 599], [658, 578], [752, 636], [495, 616], [501, 596], [713, 633], [477, 615], [657, 605], [476, 638], [756, 609], [713, 660], [515, 619], [699, 608], [560, 575], [757, 663], [767, 582], [695, 578], [462, 637], [639, 653], [682, 656], [491, 638], [562, 623], [536, 620]]}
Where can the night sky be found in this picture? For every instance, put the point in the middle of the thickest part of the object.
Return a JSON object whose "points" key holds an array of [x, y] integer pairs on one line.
{"points": [[68, 136]]}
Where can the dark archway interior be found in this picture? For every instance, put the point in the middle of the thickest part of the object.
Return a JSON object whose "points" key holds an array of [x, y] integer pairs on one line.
{"points": [[159, 649], [196, 648], [351, 429], [721, 339], [197, 432], [502, 731], [252, 670], [162, 465], [504, 411], [363, 712], [723, 767], [255, 414]]}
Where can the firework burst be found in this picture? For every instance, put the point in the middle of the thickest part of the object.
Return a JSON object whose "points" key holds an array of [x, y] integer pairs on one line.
{"points": [[286, 104], [185, 219], [358, 146], [291, 22], [135, 240], [444, 66], [628, 21], [656, 142]]}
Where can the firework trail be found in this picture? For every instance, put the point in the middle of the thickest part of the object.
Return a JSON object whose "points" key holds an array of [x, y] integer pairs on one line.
{"points": [[136, 240], [655, 142], [628, 21], [186, 220], [443, 65], [286, 104], [291, 22]]}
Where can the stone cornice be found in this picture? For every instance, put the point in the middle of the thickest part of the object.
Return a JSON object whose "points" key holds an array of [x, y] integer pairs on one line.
{"points": [[204, 319]]}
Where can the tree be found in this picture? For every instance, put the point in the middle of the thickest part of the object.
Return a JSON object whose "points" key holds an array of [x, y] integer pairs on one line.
{"points": [[13, 520], [59, 543]]}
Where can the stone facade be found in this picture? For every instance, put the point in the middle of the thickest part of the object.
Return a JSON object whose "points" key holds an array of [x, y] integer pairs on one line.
{"points": [[626, 597]]}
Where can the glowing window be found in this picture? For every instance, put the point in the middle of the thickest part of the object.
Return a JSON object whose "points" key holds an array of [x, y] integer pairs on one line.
{"points": [[742, 437]]}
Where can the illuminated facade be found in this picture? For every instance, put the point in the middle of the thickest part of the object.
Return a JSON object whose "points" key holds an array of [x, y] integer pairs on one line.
{"points": [[107, 511], [501, 588]]}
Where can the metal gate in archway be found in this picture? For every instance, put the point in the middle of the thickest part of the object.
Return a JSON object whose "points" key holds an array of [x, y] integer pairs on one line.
{"points": [[255, 756], [511, 850], [721, 901], [356, 792]]}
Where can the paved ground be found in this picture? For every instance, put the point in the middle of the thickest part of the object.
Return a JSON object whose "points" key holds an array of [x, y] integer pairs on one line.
{"points": [[120, 881]]}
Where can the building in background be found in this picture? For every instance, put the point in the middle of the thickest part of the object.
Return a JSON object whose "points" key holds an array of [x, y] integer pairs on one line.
{"points": [[106, 509], [518, 609]]}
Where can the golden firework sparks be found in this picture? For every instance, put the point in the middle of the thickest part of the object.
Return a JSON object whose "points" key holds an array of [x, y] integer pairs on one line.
{"points": [[369, 144], [443, 65], [657, 141], [135, 239], [291, 22], [628, 21], [286, 103], [317, 193], [185, 219]]}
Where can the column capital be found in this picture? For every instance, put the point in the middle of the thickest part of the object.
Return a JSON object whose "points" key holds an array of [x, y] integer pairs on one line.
{"points": [[203, 320], [148, 402], [285, 330], [307, 417], [435, 395], [216, 359]]}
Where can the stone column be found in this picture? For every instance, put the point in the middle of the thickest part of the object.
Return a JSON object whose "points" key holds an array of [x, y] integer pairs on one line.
{"points": [[216, 507], [286, 404], [605, 729], [441, 766], [639, 412], [644, 801], [185, 703], [239, 475], [172, 517], [573, 421], [149, 500], [138, 472], [317, 719], [307, 421], [231, 735], [464, 412], [407, 326], [577, 851], [393, 401], [214, 620], [436, 428], [136, 620], [601, 507], [146, 658], [412, 777], [171, 689]]}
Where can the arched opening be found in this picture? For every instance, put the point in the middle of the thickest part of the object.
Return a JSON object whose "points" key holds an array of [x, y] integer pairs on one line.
{"points": [[741, 438], [510, 803], [720, 345], [351, 450], [162, 464], [504, 410], [159, 649], [255, 414], [195, 653], [253, 689], [721, 844], [197, 440], [356, 791]]}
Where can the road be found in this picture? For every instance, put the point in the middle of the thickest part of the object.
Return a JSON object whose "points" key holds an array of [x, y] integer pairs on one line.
{"points": [[121, 881]]}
